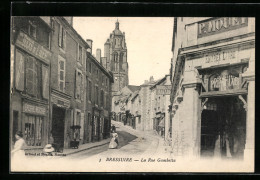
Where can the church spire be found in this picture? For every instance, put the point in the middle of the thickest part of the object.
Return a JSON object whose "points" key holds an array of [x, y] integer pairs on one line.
{"points": [[117, 24]]}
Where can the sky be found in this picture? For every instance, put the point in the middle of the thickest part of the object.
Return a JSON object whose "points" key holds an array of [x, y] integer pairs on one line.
{"points": [[148, 40]]}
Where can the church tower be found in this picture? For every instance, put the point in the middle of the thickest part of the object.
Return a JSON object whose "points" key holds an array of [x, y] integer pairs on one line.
{"points": [[115, 52]]}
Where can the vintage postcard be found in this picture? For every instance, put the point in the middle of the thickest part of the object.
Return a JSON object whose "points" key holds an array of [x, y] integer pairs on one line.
{"points": [[132, 94]]}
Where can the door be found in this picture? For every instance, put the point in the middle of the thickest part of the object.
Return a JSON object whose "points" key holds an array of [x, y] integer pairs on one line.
{"points": [[15, 125], [58, 120]]}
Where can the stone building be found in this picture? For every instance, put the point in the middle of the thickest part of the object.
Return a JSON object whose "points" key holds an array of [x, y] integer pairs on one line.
{"points": [[115, 58], [98, 99], [160, 101], [67, 83], [31, 56], [213, 87], [145, 123]]}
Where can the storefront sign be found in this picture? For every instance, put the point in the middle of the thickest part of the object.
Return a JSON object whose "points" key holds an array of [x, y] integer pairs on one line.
{"points": [[163, 90], [28, 108], [60, 102], [224, 82], [34, 48], [219, 25], [221, 56]]}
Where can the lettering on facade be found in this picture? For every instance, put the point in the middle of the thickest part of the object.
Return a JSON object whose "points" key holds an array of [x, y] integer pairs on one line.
{"points": [[163, 90], [224, 82], [33, 47], [219, 25], [220, 56], [28, 108]]}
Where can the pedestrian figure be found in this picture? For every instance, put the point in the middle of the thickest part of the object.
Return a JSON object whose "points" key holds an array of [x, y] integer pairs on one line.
{"points": [[18, 154], [113, 128], [114, 141]]}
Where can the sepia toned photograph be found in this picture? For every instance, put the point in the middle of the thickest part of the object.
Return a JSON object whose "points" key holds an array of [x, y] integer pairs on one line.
{"points": [[132, 94]]}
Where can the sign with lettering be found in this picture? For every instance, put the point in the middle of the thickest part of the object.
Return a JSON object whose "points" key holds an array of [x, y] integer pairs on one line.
{"points": [[220, 25], [34, 48], [29, 108], [163, 89], [224, 82], [220, 56]]}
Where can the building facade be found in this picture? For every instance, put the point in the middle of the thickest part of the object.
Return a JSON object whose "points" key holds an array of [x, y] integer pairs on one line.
{"points": [[31, 56], [67, 107], [98, 100], [115, 58], [160, 101], [213, 87]]}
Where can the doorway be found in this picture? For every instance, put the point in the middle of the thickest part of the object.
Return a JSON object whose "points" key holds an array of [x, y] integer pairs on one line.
{"points": [[15, 125], [58, 122], [223, 125]]}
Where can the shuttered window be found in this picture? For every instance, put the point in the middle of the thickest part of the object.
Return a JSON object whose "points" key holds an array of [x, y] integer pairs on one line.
{"points": [[62, 37], [19, 70], [31, 76], [79, 86], [61, 73]]}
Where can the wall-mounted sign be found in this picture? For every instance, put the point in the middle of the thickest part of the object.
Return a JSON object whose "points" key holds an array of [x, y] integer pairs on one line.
{"points": [[33, 109], [220, 56], [219, 25], [59, 101], [163, 89], [34, 48], [224, 82]]}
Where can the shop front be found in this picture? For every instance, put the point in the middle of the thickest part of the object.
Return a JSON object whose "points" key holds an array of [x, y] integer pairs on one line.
{"points": [[96, 125], [223, 116], [34, 124], [60, 120]]}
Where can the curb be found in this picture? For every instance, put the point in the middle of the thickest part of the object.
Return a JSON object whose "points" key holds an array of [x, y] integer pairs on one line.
{"points": [[86, 149]]}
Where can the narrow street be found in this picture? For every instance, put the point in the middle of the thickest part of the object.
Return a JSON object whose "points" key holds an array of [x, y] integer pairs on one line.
{"points": [[129, 144]]}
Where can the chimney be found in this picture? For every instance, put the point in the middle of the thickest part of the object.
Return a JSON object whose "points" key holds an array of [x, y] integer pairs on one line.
{"points": [[151, 79], [89, 41], [98, 55]]}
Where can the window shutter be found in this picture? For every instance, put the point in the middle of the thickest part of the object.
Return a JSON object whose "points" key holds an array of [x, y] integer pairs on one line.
{"points": [[19, 70], [76, 83], [82, 88], [71, 117], [64, 38], [60, 35], [45, 82], [29, 75]]}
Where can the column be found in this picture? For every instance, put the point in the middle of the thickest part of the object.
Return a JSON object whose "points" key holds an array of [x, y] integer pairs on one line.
{"points": [[250, 124], [190, 121]]}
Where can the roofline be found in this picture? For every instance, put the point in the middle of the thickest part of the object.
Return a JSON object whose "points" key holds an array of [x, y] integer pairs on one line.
{"points": [[71, 27], [101, 67]]}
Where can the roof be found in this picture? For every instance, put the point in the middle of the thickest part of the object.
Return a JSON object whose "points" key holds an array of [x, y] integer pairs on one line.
{"points": [[159, 81], [117, 32], [133, 88]]}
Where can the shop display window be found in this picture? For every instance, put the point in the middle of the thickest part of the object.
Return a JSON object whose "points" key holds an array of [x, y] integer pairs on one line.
{"points": [[33, 130]]}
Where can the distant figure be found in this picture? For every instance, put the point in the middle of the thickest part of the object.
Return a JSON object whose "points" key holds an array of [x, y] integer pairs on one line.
{"points": [[18, 154], [114, 141], [113, 128]]}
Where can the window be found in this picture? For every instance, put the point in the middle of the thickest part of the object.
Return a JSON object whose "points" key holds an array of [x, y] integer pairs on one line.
{"points": [[89, 119], [79, 85], [33, 129], [80, 54], [90, 67], [62, 37], [102, 98], [32, 30], [96, 95], [90, 90], [61, 73], [31, 76], [19, 70]]}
